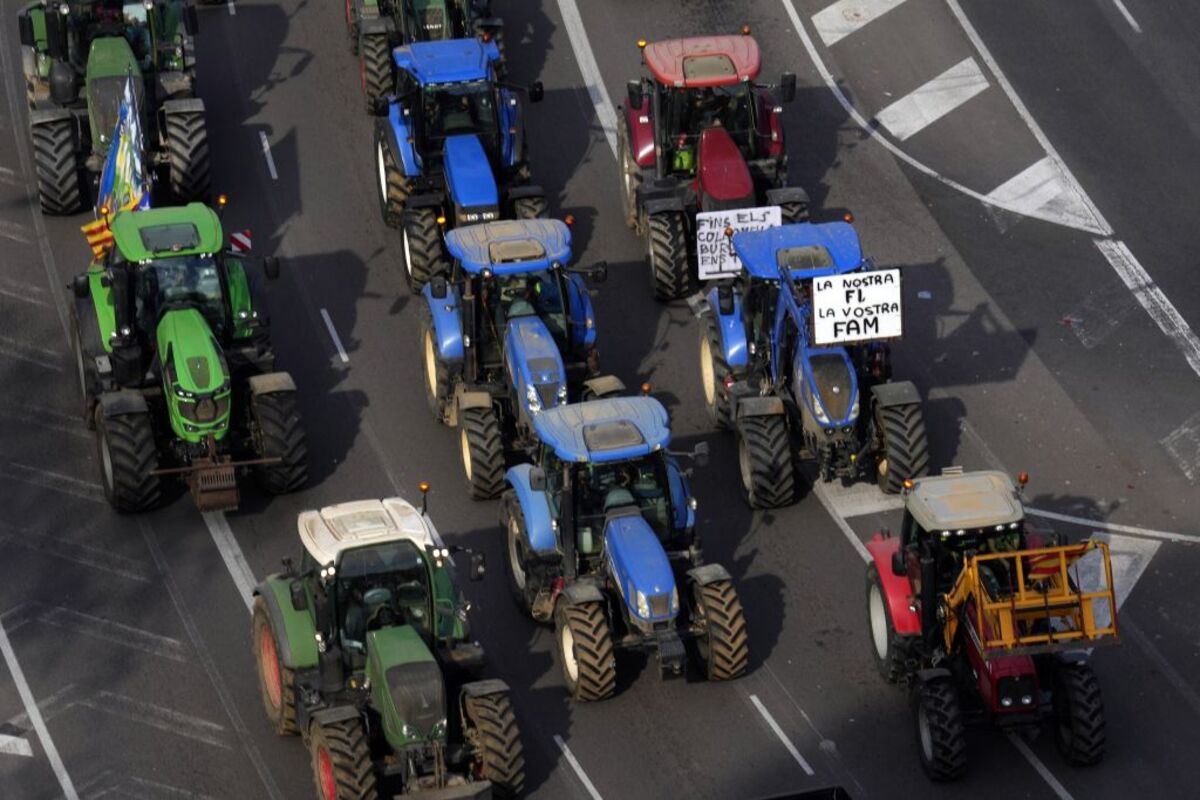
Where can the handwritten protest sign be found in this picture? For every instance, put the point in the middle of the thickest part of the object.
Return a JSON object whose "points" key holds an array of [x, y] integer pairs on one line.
{"points": [[714, 250], [857, 307]]}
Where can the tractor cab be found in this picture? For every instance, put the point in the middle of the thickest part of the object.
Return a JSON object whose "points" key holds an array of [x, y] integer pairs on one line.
{"points": [[439, 20]]}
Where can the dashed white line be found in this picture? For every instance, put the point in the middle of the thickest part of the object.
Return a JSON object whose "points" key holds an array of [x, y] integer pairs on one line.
{"points": [[1041, 768], [231, 554], [823, 495], [1133, 23], [266, 148], [333, 334], [925, 105], [232, 9], [592, 79], [783, 737], [836, 22], [579, 773]]}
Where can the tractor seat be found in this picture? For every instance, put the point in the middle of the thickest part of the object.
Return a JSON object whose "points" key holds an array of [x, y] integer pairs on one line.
{"points": [[616, 498]]}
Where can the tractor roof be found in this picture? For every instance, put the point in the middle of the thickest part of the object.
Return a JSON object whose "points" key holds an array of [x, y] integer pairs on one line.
{"points": [[176, 231], [810, 250], [450, 61], [612, 429], [334, 529], [512, 246], [703, 61], [964, 501]]}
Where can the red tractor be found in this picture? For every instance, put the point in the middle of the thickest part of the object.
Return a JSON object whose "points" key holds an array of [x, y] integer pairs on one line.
{"points": [[987, 621], [700, 135]]}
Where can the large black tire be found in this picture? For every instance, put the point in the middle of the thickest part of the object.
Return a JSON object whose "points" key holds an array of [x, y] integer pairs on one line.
{"points": [[791, 213], [280, 435], [374, 68], [190, 171], [940, 740], [482, 451], [667, 254], [530, 208], [422, 241], [906, 447], [888, 658], [499, 757], [390, 181], [276, 682], [513, 522], [128, 457], [585, 650], [83, 374], [1078, 714], [765, 462], [714, 369], [724, 648], [631, 175], [56, 162], [437, 371], [341, 761]]}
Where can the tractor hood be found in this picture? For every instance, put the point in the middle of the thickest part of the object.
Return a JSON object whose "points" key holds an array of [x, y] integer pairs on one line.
{"points": [[640, 567], [195, 375], [110, 59], [406, 686], [724, 177], [469, 179], [834, 389], [534, 362]]}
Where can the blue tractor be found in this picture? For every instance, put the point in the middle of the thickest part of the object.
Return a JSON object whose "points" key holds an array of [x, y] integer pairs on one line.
{"points": [[450, 149], [601, 539], [507, 334], [788, 398]]}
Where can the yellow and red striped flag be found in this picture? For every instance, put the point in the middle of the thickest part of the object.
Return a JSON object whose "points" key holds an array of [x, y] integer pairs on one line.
{"points": [[99, 236]]}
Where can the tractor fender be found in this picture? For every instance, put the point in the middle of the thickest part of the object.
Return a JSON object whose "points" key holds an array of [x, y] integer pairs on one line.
{"points": [[685, 516], [396, 130], [583, 318], [122, 402], [427, 200], [605, 385], [658, 205], [173, 83], [447, 324], [295, 633], [185, 105], [897, 393], [787, 194], [376, 25], [582, 592], [760, 407], [328, 716], [896, 588], [708, 573], [466, 400], [535, 508], [271, 383], [44, 116], [485, 687], [730, 328], [933, 673], [641, 134]]}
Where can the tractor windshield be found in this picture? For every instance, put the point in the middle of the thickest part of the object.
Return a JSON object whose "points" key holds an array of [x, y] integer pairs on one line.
{"points": [[689, 112], [601, 487], [179, 281], [381, 586], [539, 294], [453, 109]]}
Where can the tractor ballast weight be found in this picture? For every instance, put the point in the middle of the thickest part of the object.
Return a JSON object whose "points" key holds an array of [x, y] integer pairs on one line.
{"points": [[366, 651], [601, 541], [787, 397], [986, 619], [76, 58], [176, 368], [450, 149], [507, 333], [699, 135]]}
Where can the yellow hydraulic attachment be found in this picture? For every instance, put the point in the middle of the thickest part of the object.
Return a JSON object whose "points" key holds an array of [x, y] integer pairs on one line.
{"points": [[1034, 601]]}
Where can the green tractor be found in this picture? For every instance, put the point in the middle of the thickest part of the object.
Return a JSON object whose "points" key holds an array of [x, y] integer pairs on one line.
{"points": [[366, 652], [176, 367], [76, 57]]}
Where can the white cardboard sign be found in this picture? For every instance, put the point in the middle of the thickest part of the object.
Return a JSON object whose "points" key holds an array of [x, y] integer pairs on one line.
{"points": [[714, 250], [857, 307]]}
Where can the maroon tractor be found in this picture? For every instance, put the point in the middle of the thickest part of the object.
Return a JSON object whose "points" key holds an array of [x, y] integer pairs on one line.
{"points": [[699, 134]]}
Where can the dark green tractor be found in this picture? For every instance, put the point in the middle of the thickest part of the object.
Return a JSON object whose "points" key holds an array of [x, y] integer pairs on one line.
{"points": [[176, 366], [76, 56], [366, 652]]}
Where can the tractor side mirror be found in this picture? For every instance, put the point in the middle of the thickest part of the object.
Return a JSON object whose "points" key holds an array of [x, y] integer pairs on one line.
{"points": [[271, 267], [700, 454], [637, 98], [56, 35], [25, 26], [787, 87], [478, 567], [537, 479], [80, 285], [437, 286], [191, 22], [536, 92], [898, 564], [299, 596]]}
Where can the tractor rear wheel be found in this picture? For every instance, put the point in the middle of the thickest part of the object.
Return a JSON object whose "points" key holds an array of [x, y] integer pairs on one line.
{"points": [[499, 756], [941, 743], [280, 435], [277, 682], [187, 150], [714, 369], [56, 163], [905, 446], [765, 462], [422, 240], [374, 67], [1078, 714], [482, 452], [667, 254], [513, 521], [341, 760], [888, 658], [631, 176], [585, 650], [724, 646], [128, 457], [530, 208], [437, 371], [392, 185]]}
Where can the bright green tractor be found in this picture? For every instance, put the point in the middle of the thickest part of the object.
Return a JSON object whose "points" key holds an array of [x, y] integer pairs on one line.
{"points": [[367, 653], [76, 56], [176, 367]]}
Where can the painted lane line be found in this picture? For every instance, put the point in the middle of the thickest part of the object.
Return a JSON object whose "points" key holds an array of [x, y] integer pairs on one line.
{"points": [[14, 232], [1041, 768], [579, 773], [1129, 556], [50, 480], [592, 79], [117, 633], [858, 499], [9, 177], [231, 554], [84, 555], [15, 746], [927, 104], [823, 495], [836, 22], [1183, 444], [35, 717], [333, 334], [783, 737], [23, 296], [266, 149], [1112, 526], [232, 9], [159, 717], [1044, 188], [1133, 23]]}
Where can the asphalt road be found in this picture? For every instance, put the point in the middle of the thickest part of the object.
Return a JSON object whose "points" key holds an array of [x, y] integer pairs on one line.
{"points": [[132, 634]]}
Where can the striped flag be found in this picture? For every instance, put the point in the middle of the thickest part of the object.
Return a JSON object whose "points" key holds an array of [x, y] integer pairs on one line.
{"points": [[99, 236], [124, 182]]}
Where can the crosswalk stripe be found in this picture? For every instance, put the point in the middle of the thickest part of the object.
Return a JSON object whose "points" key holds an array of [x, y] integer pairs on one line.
{"points": [[927, 104], [844, 17], [1044, 190]]}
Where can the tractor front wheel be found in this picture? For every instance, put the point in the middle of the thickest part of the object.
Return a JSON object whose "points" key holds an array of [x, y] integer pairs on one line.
{"points": [[280, 435], [585, 650], [56, 163], [422, 240], [499, 756], [905, 446], [888, 659], [942, 745], [724, 646], [341, 760], [128, 457], [277, 682], [437, 371], [667, 254], [392, 186], [187, 149], [1078, 714], [765, 461], [530, 208], [374, 68], [631, 177], [714, 369], [482, 452], [518, 578]]}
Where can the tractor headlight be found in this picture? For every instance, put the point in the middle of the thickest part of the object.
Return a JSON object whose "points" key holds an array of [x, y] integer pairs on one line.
{"points": [[674, 601], [562, 393], [439, 729], [643, 605], [532, 399], [1026, 699], [854, 409], [819, 412], [1006, 702]]}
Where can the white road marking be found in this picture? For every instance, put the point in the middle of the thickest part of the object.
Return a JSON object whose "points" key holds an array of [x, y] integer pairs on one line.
{"points": [[53, 481], [836, 22], [45, 418], [1130, 555], [1128, 17], [82, 554], [117, 633], [35, 717], [231, 7], [783, 737], [1045, 187], [592, 79], [23, 296], [1112, 526], [1041, 768], [15, 746], [333, 334], [1183, 444], [852, 537], [266, 148], [579, 773], [15, 352], [10, 177], [15, 232], [927, 104], [858, 499], [1100, 314], [231, 554], [156, 716]]}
